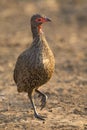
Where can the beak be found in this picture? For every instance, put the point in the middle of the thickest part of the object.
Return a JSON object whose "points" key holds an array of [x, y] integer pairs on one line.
{"points": [[47, 20]]}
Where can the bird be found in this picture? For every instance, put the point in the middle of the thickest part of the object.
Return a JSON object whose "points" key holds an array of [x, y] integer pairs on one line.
{"points": [[35, 65]]}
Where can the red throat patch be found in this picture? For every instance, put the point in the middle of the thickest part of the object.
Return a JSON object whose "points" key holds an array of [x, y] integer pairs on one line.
{"points": [[40, 29]]}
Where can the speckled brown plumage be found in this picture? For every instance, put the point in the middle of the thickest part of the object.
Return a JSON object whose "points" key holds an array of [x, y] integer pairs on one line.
{"points": [[34, 67]]}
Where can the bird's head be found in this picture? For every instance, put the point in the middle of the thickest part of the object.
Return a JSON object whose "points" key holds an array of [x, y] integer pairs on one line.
{"points": [[37, 20]]}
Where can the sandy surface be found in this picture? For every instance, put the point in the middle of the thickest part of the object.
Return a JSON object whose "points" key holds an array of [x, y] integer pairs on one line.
{"points": [[66, 107]]}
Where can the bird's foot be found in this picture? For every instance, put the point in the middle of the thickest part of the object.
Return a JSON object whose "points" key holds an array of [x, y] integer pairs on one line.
{"points": [[43, 98], [39, 116], [43, 101]]}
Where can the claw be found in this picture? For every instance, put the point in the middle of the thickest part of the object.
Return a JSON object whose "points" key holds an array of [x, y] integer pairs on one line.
{"points": [[39, 95], [43, 101]]}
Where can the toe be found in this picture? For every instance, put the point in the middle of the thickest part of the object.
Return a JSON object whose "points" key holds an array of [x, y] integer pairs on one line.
{"points": [[39, 117]]}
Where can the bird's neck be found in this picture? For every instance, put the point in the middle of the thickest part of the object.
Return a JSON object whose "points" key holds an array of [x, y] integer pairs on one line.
{"points": [[36, 31]]}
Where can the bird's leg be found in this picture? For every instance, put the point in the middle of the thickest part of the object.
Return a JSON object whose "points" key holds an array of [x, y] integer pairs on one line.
{"points": [[43, 100], [34, 108]]}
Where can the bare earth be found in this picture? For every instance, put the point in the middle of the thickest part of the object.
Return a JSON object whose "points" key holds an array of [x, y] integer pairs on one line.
{"points": [[66, 107]]}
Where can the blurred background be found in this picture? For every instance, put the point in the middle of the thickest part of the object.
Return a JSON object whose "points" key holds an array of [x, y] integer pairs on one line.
{"points": [[67, 37]]}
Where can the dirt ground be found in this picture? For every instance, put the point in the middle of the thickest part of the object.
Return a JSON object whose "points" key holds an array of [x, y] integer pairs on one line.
{"points": [[66, 107]]}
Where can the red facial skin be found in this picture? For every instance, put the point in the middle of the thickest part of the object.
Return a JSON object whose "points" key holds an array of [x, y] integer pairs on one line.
{"points": [[41, 20]]}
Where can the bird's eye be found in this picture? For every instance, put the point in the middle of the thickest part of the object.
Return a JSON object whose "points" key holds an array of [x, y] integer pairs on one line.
{"points": [[38, 19]]}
